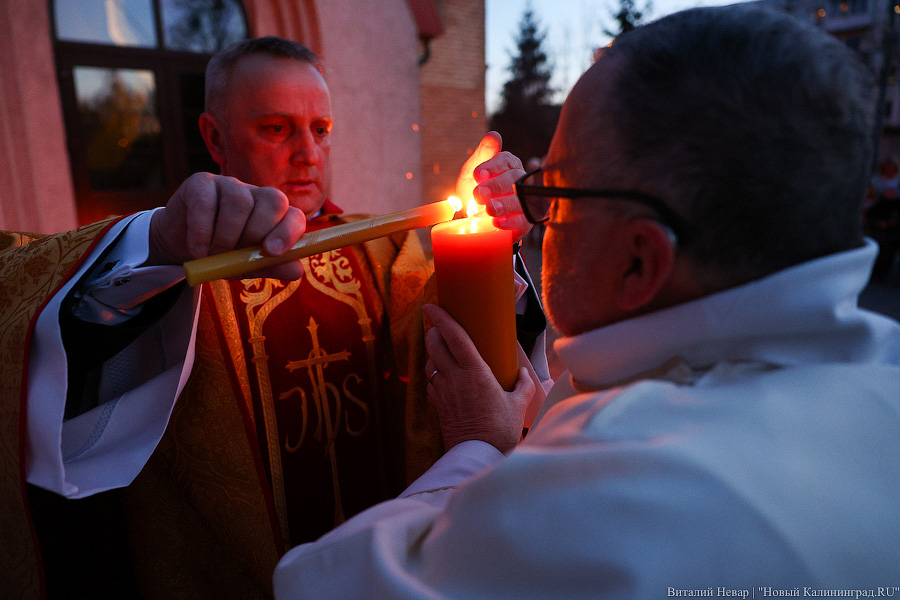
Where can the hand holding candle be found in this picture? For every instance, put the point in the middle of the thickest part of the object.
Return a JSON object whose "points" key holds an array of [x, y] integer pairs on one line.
{"points": [[245, 260], [470, 403], [210, 214]]}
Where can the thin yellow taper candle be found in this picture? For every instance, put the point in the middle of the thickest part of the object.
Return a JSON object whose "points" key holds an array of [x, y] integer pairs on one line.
{"points": [[245, 260]]}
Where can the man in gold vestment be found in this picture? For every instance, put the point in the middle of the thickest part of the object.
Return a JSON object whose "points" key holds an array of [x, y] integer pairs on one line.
{"points": [[305, 402]]}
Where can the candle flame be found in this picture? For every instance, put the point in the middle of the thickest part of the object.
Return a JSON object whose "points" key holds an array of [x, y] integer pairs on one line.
{"points": [[455, 202], [472, 208]]}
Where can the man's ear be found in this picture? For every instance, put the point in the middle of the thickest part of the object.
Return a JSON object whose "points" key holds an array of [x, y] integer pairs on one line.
{"points": [[651, 251], [212, 136]]}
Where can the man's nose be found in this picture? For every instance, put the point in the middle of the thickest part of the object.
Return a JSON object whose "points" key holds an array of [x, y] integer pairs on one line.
{"points": [[305, 150]]}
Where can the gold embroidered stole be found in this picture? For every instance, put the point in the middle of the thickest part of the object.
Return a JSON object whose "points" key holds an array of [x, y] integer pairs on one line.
{"points": [[327, 381]]}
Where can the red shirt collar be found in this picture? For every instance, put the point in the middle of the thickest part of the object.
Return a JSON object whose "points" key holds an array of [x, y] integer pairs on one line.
{"points": [[330, 208]]}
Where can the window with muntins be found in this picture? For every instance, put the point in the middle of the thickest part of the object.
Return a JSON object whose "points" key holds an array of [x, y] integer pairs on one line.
{"points": [[131, 76]]}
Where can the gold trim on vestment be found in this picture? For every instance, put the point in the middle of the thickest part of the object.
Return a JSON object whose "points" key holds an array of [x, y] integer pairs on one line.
{"points": [[224, 303], [259, 301]]}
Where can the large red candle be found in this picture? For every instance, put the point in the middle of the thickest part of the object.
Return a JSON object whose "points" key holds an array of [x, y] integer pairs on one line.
{"points": [[474, 271]]}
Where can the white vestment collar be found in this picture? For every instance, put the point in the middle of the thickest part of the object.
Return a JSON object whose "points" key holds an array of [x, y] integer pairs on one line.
{"points": [[804, 314]]}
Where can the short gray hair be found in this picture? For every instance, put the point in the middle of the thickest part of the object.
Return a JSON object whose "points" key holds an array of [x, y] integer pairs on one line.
{"points": [[754, 126], [221, 64]]}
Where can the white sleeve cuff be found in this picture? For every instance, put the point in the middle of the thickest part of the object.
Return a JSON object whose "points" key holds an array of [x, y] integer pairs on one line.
{"points": [[458, 464], [116, 289], [107, 446]]}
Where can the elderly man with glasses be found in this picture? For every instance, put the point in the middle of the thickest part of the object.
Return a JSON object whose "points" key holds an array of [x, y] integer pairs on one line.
{"points": [[730, 420]]}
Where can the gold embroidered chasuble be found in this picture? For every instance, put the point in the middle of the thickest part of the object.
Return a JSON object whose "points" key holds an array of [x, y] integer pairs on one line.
{"points": [[296, 416], [32, 268]]}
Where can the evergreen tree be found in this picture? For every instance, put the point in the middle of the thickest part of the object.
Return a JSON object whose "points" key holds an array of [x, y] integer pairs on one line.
{"points": [[628, 16], [527, 116]]}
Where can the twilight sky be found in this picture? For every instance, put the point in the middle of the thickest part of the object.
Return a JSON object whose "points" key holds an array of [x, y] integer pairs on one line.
{"points": [[573, 27]]}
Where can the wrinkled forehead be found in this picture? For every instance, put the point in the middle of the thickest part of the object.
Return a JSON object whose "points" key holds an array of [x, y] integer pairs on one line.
{"points": [[263, 83], [256, 71]]}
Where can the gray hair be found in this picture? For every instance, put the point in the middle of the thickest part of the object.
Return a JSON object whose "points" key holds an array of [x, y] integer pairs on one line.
{"points": [[753, 125], [221, 64]]}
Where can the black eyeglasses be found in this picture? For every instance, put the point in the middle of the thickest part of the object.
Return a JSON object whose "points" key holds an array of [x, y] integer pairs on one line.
{"points": [[537, 199]]}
